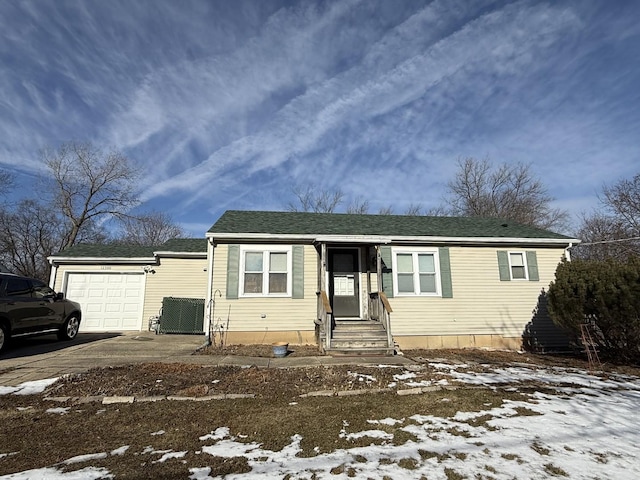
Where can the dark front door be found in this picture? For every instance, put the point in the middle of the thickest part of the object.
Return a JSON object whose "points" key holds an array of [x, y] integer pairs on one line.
{"points": [[344, 285]]}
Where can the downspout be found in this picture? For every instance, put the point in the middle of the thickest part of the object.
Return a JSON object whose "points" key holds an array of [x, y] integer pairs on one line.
{"points": [[328, 320], [567, 253], [53, 274], [209, 298]]}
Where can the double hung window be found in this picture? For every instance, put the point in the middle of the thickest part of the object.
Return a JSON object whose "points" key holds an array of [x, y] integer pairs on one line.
{"points": [[266, 272], [417, 272], [518, 266]]}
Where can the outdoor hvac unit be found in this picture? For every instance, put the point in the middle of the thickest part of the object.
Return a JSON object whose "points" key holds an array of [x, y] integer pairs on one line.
{"points": [[182, 315]]}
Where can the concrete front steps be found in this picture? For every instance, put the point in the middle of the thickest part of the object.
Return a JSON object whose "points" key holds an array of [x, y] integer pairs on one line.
{"points": [[359, 337]]}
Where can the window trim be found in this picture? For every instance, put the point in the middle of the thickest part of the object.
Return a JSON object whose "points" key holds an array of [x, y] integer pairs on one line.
{"points": [[414, 252], [525, 265], [266, 250]]}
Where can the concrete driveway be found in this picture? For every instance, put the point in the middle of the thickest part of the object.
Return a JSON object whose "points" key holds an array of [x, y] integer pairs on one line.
{"points": [[43, 357]]}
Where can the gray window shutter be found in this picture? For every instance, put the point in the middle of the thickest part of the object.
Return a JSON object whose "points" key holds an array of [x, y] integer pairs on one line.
{"points": [[298, 272], [445, 272], [233, 271], [503, 266], [532, 266], [387, 272]]}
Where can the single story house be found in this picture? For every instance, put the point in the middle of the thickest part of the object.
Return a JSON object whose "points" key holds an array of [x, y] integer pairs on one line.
{"points": [[348, 282]]}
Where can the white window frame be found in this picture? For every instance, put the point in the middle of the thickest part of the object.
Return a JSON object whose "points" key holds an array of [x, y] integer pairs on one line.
{"points": [[266, 250], [524, 263], [414, 252]]}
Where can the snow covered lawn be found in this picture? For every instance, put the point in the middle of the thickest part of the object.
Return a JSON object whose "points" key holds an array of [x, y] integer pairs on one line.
{"points": [[572, 424]]}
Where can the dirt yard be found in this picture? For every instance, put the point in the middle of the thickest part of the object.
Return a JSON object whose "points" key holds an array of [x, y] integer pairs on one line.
{"points": [[162, 379], [39, 431]]}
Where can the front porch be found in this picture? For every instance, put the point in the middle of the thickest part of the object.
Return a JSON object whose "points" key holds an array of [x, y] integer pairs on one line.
{"points": [[354, 313]]}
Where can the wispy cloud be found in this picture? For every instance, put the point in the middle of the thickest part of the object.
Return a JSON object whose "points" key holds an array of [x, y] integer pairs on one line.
{"points": [[228, 105], [368, 103]]}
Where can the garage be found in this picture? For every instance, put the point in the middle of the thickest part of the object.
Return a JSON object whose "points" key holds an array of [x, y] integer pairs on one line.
{"points": [[110, 301]]}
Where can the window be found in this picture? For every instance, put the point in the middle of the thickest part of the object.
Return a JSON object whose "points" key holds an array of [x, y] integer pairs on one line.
{"points": [[266, 272], [416, 272], [18, 287], [518, 266], [42, 290]]}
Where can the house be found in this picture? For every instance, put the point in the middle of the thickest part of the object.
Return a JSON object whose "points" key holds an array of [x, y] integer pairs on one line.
{"points": [[367, 283], [350, 283]]}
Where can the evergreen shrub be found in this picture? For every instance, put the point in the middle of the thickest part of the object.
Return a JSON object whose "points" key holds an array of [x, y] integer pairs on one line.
{"points": [[606, 296]]}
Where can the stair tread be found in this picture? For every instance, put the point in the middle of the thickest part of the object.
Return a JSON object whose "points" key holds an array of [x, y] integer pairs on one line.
{"points": [[360, 351]]}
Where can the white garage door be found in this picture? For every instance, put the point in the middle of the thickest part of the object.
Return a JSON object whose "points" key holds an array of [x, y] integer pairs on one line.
{"points": [[110, 301]]}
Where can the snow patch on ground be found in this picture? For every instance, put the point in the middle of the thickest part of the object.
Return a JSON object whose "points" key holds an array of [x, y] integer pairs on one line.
{"points": [[580, 426], [29, 388], [89, 473], [59, 410]]}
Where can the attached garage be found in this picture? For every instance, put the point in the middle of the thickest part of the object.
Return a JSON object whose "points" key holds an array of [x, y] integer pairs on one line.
{"points": [[120, 287], [110, 301]]}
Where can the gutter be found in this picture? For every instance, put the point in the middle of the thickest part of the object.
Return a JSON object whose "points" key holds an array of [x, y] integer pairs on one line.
{"points": [[181, 254], [385, 239], [101, 260]]}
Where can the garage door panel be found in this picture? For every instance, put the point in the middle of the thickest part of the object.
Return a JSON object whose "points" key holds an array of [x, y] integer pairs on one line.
{"points": [[130, 308], [113, 308], [110, 302], [131, 324]]}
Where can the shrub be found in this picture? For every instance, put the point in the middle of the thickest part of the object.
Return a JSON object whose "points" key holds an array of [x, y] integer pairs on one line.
{"points": [[604, 294]]}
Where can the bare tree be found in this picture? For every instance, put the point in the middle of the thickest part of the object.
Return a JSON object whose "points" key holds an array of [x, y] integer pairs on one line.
{"points": [[510, 192], [86, 188], [28, 235], [89, 185], [623, 201], [153, 228], [6, 182], [310, 199], [358, 205], [614, 229], [414, 209], [439, 211]]}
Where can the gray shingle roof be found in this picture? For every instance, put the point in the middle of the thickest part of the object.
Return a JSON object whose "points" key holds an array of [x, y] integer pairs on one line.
{"points": [[303, 223], [195, 245], [117, 250], [107, 251]]}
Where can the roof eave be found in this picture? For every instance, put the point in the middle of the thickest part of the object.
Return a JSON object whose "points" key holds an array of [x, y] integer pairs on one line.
{"points": [[181, 254], [102, 260], [383, 239]]}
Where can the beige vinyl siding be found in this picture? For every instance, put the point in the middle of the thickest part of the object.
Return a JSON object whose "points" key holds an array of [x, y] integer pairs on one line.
{"points": [[175, 277], [264, 314], [481, 303]]}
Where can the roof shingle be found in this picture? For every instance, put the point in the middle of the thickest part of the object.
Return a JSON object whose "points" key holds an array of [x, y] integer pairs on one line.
{"points": [[304, 223], [119, 250]]}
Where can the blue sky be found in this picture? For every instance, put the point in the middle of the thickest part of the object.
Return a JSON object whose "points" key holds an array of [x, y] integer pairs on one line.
{"points": [[230, 104]]}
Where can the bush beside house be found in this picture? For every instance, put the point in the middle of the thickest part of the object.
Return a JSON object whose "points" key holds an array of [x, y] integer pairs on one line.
{"points": [[606, 296]]}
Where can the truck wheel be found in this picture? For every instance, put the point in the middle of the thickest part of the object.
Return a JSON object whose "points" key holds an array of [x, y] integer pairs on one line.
{"points": [[69, 330], [4, 337]]}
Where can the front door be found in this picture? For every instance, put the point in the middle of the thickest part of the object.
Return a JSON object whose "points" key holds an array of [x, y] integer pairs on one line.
{"points": [[344, 285]]}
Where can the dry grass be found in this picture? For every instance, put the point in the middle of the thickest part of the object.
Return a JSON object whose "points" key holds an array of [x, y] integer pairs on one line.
{"points": [[271, 422], [270, 419], [262, 350]]}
